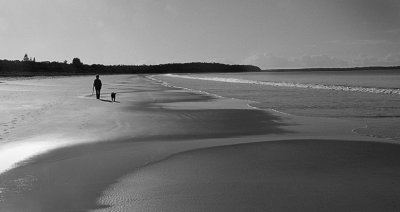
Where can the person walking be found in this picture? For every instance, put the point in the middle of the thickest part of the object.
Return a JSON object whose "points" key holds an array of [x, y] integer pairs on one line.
{"points": [[97, 85]]}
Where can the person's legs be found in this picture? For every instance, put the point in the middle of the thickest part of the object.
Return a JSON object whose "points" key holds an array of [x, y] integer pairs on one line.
{"points": [[98, 93]]}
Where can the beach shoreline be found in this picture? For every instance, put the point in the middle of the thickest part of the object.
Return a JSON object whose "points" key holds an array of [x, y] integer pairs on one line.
{"points": [[150, 125]]}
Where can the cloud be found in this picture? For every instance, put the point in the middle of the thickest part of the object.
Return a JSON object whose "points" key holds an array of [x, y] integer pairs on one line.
{"points": [[269, 60], [393, 31], [391, 59], [370, 42], [322, 61], [224, 60]]}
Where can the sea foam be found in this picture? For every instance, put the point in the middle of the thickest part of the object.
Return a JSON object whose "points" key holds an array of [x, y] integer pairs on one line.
{"points": [[296, 85]]}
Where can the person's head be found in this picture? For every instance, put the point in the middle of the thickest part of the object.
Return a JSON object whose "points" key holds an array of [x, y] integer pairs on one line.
{"points": [[97, 76]]}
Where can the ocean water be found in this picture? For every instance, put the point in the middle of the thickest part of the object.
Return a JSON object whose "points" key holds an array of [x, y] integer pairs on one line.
{"points": [[371, 97]]}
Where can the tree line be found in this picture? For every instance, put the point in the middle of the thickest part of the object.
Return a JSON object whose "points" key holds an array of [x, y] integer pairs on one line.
{"points": [[29, 67]]}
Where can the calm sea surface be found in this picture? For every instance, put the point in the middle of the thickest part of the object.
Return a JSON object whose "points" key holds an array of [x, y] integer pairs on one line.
{"points": [[370, 96]]}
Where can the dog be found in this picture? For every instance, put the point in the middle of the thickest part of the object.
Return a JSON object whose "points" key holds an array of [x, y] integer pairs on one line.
{"points": [[113, 96]]}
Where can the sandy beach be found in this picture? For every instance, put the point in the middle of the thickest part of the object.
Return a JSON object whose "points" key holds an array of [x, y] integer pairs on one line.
{"points": [[161, 148], [288, 175]]}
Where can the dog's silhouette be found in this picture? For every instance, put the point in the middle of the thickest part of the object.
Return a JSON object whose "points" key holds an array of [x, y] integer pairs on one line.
{"points": [[113, 96]]}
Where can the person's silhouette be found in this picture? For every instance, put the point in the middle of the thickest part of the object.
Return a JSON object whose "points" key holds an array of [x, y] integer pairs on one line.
{"points": [[97, 85], [113, 96]]}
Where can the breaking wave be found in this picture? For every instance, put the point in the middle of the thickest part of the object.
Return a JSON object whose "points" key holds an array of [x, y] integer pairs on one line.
{"points": [[296, 85]]}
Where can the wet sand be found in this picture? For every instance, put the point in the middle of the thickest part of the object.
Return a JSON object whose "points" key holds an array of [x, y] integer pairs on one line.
{"points": [[162, 148], [288, 175]]}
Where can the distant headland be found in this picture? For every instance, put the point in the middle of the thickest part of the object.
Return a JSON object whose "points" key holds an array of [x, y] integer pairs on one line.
{"points": [[363, 68], [30, 67]]}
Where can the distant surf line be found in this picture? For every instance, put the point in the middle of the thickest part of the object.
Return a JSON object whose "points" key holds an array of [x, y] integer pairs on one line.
{"points": [[296, 85]]}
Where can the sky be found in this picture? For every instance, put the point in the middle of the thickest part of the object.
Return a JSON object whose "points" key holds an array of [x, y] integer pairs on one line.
{"points": [[266, 33]]}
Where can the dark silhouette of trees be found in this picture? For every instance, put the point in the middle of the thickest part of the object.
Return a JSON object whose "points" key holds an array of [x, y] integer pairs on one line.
{"points": [[47, 68], [26, 58], [76, 62]]}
